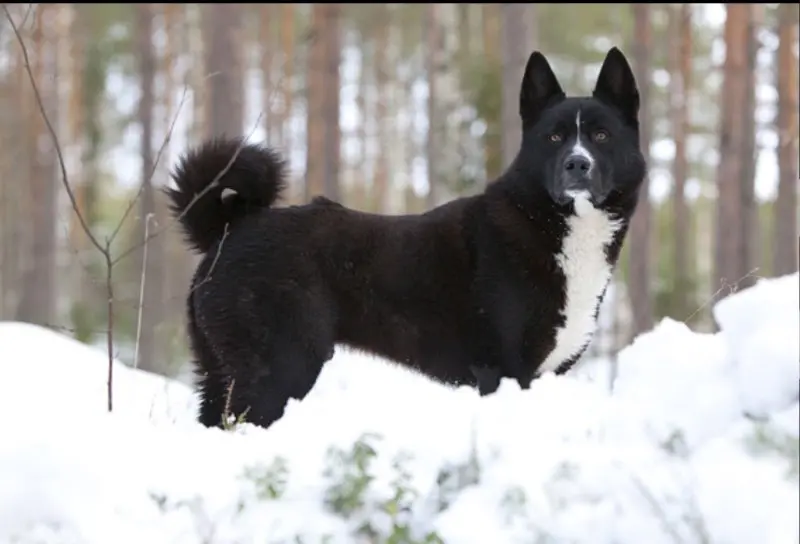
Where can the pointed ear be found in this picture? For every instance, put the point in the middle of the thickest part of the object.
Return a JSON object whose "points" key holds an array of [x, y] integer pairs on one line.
{"points": [[616, 85], [540, 88]]}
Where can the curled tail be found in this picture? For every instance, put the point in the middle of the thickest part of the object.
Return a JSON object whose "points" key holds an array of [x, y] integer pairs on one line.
{"points": [[253, 175]]}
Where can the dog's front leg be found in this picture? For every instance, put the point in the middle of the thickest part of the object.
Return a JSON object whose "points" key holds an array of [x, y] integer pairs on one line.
{"points": [[494, 359], [487, 377]]}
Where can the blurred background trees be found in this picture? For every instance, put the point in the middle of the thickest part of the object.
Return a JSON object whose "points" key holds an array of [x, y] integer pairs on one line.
{"points": [[391, 108]]}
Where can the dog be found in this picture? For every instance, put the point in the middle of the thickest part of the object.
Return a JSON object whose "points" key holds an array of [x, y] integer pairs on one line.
{"points": [[506, 283]]}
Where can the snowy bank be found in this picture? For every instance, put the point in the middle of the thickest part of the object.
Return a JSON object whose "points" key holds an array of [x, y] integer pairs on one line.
{"points": [[699, 443]]}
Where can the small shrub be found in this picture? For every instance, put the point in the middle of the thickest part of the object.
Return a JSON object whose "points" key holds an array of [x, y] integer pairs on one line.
{"points": [[350, 475], [270, 481], [767, 439], [453, 478], [514, 503], [349, 470], [676, 444]]}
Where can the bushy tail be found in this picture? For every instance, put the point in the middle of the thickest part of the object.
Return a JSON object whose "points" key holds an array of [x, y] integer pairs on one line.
{"points": [[252, 174]]}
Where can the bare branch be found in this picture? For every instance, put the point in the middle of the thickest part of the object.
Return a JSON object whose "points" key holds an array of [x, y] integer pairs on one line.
{"points": [[149, 178], [110, 333], [725, 286], [52, 131], [207, 277], [31, 8], [152, 173]]}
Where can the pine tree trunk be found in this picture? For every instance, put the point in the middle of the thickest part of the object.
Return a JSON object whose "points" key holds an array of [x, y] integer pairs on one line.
{"points": [[198, 49], [152, 303], [15, 154], [786, 241], [730, 206], [381, 70], [270, 113], [749, 227], [287, 83], [514, 43], [222, 28], [333, 133], [315, 106], [433, 44], [681, 70], [493, 140], [639, 250], [38, 302]]}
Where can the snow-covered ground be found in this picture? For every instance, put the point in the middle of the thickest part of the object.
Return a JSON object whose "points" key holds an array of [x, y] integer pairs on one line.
{"points": [[698, 443]]}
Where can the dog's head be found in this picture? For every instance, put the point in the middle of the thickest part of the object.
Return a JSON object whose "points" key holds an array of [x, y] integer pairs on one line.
{"points": [[582, 146]]}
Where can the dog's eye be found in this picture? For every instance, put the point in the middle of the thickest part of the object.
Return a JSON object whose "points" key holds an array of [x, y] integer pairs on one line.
{"points": [[555, 137], [600, 136]]}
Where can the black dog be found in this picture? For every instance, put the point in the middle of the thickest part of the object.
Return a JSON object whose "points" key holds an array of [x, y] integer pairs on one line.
{"points": [[504, 284]]}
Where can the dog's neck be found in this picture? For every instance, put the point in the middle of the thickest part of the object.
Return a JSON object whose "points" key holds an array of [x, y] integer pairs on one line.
{"points": [[530, 199]]}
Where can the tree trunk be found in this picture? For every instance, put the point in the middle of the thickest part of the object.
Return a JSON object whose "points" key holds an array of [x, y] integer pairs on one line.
{"points": [[786, 242], [381, 70], [681, 70], [434, 46], [20, 121], [267, 44], [730, 263], [493, 140], [85, 106], [356, 169], [152, 303], [515, 36], [333, 133], [639, 250], [38, 302], [222, 29], [287, 84], [749, 226], [198, 49], [315, 108], [177, 275]]}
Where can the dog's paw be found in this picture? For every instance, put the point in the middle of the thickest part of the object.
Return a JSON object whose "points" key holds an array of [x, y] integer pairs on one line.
{"points": [[488, 379]]}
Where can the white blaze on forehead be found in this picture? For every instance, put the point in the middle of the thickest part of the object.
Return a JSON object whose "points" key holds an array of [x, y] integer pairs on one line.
{"points": [[578, 148]]}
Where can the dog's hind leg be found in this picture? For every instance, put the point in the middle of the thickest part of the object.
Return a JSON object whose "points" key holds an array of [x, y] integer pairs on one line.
{"points": [[293, 371], [270, 349], [287, 367], [213, 392], [212, 384], [284, 364]]}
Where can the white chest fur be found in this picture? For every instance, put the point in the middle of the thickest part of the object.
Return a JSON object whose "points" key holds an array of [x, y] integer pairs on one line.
{"points": [[587, 272]]}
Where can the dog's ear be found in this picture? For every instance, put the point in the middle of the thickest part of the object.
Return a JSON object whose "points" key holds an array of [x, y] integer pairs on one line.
{"points": [[616, 85], [540, 88]]}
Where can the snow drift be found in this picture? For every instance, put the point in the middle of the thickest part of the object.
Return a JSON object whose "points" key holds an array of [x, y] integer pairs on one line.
{"points": [[698, 443]]}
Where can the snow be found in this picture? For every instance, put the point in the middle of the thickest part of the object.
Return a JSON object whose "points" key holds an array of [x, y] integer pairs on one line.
{"points": [[697, 443]]}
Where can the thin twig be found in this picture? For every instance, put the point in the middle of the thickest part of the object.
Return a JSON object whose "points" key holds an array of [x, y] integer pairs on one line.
{"points": [[110, 333], [732, 288], [152, 173], [32, 6], [207, 277], [141, 293]]}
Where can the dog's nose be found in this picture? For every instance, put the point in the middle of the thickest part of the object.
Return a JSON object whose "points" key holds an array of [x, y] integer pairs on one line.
{"points": [[577, 165]]}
